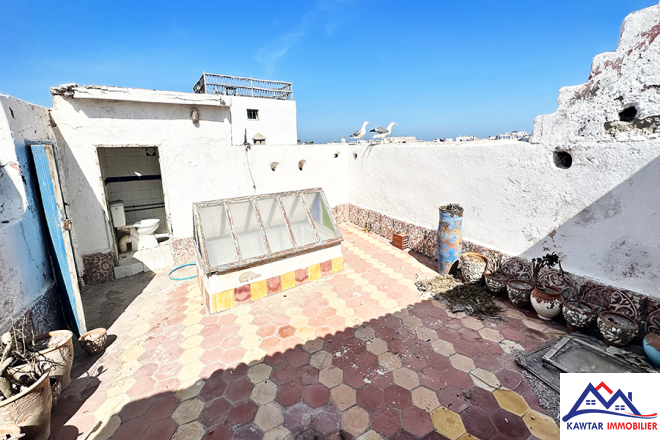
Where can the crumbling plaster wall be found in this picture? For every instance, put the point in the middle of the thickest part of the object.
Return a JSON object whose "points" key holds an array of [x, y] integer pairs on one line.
{"points": [[277, 120], [197, 161], [601, 214], [25, 276]]}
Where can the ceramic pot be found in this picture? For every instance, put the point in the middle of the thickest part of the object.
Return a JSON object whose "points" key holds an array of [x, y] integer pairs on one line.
{"points": [[519, 292], [473, 266], [93, 342], [578, 314], [547, 300], [56, 391], [496, 282], [30, 410], [10, 430], [57, 348], [652, 348], [617, 329]]}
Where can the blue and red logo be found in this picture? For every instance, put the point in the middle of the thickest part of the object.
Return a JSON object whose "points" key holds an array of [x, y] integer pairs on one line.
{"points": [[609, 405]]}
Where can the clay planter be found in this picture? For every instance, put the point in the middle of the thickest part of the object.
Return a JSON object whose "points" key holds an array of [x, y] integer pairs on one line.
{"points": [[546, 300], [30, 410], [617, 329], [57, 348], [519, 292], [496, 282], [652, 348], [10, 430], [93, 342], [578, 314], [473, 266]]}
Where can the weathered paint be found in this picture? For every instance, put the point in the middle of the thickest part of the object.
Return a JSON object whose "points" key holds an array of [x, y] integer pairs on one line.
{"points": [[450, 238]]}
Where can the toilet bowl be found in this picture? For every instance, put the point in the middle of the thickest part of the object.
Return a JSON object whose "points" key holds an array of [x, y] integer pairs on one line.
{"points": [[142, 234]]}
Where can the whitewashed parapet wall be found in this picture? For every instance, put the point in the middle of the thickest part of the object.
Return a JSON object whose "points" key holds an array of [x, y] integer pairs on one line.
{"points": [[26, 281], [601, 214], [198, 161]]}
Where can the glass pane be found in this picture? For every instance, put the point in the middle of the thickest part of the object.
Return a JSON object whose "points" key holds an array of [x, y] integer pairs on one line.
{"points": [[320, 216], [219, 244], [273, 220], [298, 219], [247, 228]]}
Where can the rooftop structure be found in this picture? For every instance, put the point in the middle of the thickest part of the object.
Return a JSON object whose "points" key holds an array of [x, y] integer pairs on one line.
{"points": [[240, 86]]}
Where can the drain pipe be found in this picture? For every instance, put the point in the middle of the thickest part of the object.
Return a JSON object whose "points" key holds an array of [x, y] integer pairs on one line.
{"points": [[123, 243]]}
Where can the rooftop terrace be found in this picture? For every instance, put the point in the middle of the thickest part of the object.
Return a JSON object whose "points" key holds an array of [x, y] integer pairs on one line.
{"points": [[239, 86], [357, 351]]}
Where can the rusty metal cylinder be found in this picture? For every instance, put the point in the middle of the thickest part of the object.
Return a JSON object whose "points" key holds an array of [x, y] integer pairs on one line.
{"points": [[450, 237]]}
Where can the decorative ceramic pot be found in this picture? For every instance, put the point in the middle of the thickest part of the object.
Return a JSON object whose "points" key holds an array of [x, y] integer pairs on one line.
{"points": [[473, 266], [93, 342], [56, 391], [547, 300], [652, 348], [57, 348], [496, 282], [617, 329], [11, 430], [30, 410], [519, 292], [579, 314]]}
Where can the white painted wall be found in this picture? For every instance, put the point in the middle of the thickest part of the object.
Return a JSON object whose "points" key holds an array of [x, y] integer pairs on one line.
{"points": [[198, 163], [277, 120], [25, 272]]}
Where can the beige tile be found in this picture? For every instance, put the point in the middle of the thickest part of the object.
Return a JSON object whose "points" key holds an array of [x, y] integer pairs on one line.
{"points": [[425, 399], [259, 373], [111, 406], [299, 321], [247, 330], [442, 347], [190, 371], [412, 322], [191, 355], [365, 333], [461, 362], [314, 345], [342, 396], [485, 379], [192, 319], [120, 386], [541, 426], [192, 341], [472, 322], [192, 330], [511, 401], [427, 334], [279, 433], [187, 411], [269, 416], [254, 356], [189, 431], [377, 346], [188, 390], [406, 378], [321, 359], [244, 320], [331, 376], [370, 435], [355, 420], [264, 392], [306, 333], [107, 429], [390, 361], [510, 346], [490, 334], [251, 342]]}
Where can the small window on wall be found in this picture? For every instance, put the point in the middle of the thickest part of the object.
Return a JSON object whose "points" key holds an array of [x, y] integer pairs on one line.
{"points": [[253, 115]]}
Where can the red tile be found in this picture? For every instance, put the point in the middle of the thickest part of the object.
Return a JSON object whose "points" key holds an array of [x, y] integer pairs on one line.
{"points": [[298, 417], [222, 432], [162, 408], [282, 374], [369, 397], [327, 419], [274, 285], [487, 362], [233, 355], [458, 378], [239, 390], [242, 294], [510, 425], [417, 421], [326, 267], [280, 320], [290, 393], [431, 378], [316, 395], [162, 429], [488, 347], [484, 400], [213, 389], [276, 359], [512, 334], [467, 348], [210, 330], [379, 378], [212, 356], [143, 388], [214, 412], [385, 420], [306, 375], [452, 397], [248, 433], [242, 413], [478, 423], [136, 408], [298, 358], [509, 379], [397, 397], [301, 276], [166, 386], [231, 341]]}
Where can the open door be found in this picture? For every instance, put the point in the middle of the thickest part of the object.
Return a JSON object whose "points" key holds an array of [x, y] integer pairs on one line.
{"points": [[60, 238]]}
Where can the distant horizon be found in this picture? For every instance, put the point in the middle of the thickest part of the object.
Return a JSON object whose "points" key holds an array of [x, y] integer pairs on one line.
{"points": [[437, 70]]}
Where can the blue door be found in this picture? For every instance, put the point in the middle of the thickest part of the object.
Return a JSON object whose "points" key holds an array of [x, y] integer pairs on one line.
{"points": [[60, 238]]}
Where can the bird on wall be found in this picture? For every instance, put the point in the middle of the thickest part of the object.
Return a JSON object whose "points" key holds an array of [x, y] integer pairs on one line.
{"points": [[361, 132], [381, 132]]}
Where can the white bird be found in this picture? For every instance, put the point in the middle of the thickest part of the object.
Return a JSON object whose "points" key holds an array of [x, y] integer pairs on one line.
{"points": [[361, 132], [381, 132]]}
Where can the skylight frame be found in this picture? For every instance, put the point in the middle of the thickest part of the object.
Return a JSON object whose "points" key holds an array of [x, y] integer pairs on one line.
{"points": [[269, 256]]}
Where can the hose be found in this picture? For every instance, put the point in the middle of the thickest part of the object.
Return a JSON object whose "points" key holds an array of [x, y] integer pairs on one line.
{"points": [[179, 267]]}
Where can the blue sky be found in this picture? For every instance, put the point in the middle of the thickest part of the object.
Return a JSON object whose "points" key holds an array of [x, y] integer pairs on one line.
{"points": [[437, 68]]}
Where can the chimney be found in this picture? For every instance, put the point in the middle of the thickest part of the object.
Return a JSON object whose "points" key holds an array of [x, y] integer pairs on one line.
{"points": [[630, 396]]}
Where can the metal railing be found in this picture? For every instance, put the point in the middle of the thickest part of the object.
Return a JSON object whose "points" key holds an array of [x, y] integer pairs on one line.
{"points": [[238, 86]]}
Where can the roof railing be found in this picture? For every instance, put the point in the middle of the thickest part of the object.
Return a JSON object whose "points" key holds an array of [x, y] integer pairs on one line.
{"points": [[213, 84]]}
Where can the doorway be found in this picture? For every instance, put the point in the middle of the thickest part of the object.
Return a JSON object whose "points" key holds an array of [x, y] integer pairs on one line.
{"points": [[134, 197]]}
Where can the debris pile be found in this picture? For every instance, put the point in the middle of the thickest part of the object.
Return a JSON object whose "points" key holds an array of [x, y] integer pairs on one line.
{"points": [[469, 298]]}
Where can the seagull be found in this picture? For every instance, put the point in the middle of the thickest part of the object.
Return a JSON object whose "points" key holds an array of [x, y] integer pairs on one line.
{"points": [[361, 132], [381, 132]]}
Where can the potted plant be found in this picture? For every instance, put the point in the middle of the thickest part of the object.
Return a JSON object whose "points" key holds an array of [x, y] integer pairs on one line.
{"points": [[617, 329], [494, 278], [519, 291], [25, 388], [56, 347], [473, 266], [545, 299]]}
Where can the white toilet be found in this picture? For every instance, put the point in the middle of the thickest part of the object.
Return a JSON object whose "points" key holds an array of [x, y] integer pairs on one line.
{"points": [[141, 233]]}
